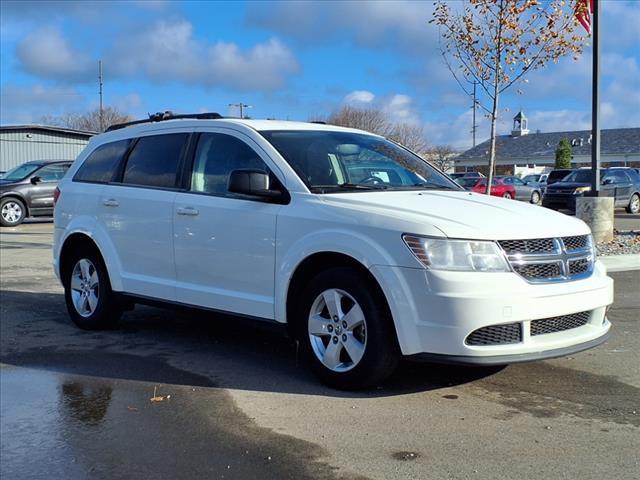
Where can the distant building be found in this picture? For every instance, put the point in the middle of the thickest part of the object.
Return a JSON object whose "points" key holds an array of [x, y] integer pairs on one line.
{"points": [[523, 152], [21, 143]]}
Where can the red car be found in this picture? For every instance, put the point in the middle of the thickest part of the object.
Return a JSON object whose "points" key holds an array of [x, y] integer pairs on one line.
{"points": [[479, 185]]}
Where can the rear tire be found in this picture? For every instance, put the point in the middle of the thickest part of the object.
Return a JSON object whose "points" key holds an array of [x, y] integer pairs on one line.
{"points": [[90, 301], [12, 212], [535, 198], [346, 330], [634, 204]]}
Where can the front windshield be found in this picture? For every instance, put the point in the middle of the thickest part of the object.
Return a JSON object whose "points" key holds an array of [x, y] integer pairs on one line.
{"points": [[20, 172], [580, 176], [330, 162]]}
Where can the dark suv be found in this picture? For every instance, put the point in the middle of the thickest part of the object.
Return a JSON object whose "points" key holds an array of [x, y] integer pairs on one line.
{"points": [[27, 190], [621, 183]]}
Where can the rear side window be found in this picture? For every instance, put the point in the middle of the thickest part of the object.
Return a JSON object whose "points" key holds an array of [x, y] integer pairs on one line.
{"points": [[154, 160], [100, 165]]}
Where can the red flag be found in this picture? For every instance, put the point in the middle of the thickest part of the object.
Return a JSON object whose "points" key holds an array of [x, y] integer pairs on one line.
{"points": [[584, 9]]}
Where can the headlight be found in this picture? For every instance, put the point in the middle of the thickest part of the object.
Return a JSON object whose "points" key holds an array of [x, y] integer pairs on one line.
{"points": [[458, 255], [582, 189]]}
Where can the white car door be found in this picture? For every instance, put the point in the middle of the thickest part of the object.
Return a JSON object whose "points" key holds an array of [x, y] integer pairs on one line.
{"points": [[137, 213], [225, 243]]}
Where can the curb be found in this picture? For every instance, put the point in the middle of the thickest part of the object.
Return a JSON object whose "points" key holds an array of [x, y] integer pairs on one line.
{"points": [[621, 263]]}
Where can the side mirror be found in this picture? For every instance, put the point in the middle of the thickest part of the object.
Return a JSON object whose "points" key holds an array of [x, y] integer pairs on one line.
{"points": [[253, 183], [607, 181], [36, 180]]}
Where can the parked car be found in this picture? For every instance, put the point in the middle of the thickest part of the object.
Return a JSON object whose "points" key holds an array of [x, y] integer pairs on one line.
{"points": [[276, 221], [526, 191], [558, 174], [621, 183], [539, 178], [27, 190], [479, 185], [457, 175]]}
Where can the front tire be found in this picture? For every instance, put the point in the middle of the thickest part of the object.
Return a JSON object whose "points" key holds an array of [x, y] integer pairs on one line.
{"points": [[12, 212], [346, 330], [90, 301], [507, 195], [634, 204]]}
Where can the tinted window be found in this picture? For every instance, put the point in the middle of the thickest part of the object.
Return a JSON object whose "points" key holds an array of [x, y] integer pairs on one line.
{"points": [[52, 173], [216, 156], [154, 160], [101, 164]]}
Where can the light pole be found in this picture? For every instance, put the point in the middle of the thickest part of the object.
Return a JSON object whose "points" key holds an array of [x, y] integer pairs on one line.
{"points": [[241, 106]]}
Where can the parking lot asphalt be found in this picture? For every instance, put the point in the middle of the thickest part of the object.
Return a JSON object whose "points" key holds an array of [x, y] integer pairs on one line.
{"points": [[173, 394]]}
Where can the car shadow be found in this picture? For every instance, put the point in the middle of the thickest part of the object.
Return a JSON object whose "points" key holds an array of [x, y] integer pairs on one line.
{"points": [[187, 347]]}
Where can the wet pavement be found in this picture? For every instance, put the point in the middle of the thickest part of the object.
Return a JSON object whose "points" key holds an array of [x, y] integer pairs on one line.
{"points": [[174, 394]]}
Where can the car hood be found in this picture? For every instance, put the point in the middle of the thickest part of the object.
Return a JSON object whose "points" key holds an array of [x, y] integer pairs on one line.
{"points": [[460, 214], [567, 185], [7, 183]]}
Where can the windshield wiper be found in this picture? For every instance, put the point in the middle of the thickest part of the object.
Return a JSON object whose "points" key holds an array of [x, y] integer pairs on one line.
{"points": [[362, 186], [433, 186]]}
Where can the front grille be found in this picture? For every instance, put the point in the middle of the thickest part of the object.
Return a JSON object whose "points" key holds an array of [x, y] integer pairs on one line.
{"points": [[536, 245], [550, 259], [496, 335], [559, 324], [577, 267], [575, 243], [538, 270]]}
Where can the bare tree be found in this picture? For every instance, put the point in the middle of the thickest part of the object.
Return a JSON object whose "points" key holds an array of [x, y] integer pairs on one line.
{"points": [[496, 42], [440, 156], [410, 135], [89, 121]]}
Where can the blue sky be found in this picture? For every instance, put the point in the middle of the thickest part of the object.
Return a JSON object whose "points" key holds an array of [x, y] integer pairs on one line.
{"points": [[289, 60]]}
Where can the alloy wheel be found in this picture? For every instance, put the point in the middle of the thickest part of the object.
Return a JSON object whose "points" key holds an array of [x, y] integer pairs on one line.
{"points": [[337, 330], [85, 287], [11, 212]]}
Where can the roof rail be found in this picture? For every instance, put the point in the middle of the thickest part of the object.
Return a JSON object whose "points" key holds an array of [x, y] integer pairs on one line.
{"points": [[161, 116]]}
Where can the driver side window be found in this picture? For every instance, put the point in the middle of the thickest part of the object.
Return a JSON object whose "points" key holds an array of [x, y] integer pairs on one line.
{"points": [[217, 155], [52, 173]]}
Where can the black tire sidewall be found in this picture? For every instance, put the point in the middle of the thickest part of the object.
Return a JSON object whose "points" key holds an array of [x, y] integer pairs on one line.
{"points": [[535, 195], [107, 313], [21, 219], [629, 210], [381, 351]]}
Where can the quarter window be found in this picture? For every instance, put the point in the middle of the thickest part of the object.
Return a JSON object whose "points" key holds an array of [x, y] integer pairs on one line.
{"points": [[216, 157], [100, 165], [154, 160]]}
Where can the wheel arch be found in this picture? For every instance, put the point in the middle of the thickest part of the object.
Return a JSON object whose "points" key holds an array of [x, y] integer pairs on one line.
{"points": [[313, 265], [20, 197]]}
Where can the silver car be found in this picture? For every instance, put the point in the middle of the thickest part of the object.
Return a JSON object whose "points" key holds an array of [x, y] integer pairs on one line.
{"points": [[525, 191]]}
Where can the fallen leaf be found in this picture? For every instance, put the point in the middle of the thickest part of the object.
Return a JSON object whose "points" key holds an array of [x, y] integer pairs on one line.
{"points": [[156, 399], [132, 409]]}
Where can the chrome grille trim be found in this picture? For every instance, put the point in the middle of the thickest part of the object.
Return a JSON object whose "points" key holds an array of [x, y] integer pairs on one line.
{"points": [[559, 324], [543, 260]]}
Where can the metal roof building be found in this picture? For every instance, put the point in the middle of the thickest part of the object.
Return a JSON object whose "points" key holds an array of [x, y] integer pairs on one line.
{"points": [[619, 146], [22, 143]]}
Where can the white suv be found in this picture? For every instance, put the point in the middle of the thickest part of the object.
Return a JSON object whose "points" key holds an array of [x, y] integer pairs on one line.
{"points": [[365, 251]]}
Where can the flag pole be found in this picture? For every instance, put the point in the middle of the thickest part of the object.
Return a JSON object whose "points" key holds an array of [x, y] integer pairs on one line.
{"points": [[595, 103]]}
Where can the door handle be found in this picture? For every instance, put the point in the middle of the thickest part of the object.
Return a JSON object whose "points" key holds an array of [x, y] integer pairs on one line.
{"points": [[110, 202], [187, 211]]}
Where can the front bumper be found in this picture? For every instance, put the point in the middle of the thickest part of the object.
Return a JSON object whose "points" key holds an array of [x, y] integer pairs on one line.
{"points": [[556, 201], [434, 312]]}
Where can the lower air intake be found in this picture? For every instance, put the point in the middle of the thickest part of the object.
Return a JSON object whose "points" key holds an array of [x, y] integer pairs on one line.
{"points": [[496, 335]]}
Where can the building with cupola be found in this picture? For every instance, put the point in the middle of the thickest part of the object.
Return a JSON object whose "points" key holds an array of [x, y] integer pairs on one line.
{"points": [[523, 152]]}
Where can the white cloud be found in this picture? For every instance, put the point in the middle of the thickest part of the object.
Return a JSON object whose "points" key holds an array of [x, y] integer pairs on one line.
{"points": [[169, 52], [400, 25], [359, 97], [46, 53], [27, 104]]}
